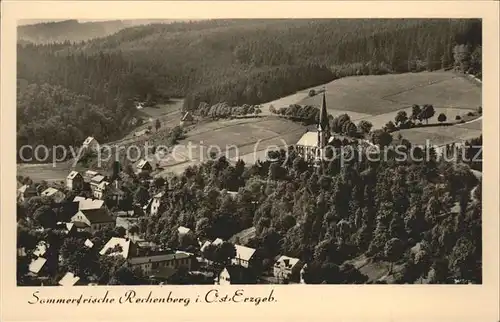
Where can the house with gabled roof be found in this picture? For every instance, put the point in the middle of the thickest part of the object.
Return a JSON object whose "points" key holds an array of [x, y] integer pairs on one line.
{"points": [[53, 193], [244, 256], [156, 203], [143, 166], [90, 144], [286, 268], [74, 180], [92, 220]]}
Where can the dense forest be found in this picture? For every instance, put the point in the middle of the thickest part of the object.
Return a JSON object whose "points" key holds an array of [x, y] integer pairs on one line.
{"points": [[234, 61], [425, 214]]}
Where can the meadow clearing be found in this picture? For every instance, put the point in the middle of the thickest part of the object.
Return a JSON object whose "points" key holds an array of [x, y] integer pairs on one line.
{"points": [[379, 98]]}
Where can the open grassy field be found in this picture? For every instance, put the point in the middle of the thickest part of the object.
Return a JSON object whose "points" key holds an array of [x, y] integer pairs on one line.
{"points": [[378, 98], [438, 135], [161, 109], [248, 139]]}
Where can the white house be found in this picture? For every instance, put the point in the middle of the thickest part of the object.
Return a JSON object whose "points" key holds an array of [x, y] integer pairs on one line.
{"points": [[93, 220], [286, 266], [53, 193], [90, 144], [244, 256], [74, 180], [143, 166], [155, 203]]}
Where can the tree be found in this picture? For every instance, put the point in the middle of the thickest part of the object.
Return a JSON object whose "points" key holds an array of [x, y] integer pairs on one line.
{"points": [[272, 109], [427, 112], [401, 118], [390, 127], [157, 124], [141, 195], [224, 253], [381, 138], [158, 182], [462, 57], [365, 126], [116, 168], [415, 112], [45, 217], [442, 118], [458, 117], [393, 250]]}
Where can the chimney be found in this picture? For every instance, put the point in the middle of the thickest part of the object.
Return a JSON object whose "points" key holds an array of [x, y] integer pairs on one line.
{"points": [[287, 262]]}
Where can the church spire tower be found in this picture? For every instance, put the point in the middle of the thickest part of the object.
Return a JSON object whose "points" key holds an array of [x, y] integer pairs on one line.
{"points": [[323, 127]]}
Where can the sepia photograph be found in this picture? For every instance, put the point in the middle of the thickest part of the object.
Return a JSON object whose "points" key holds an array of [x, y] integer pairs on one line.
{"points": [[249, 151]]}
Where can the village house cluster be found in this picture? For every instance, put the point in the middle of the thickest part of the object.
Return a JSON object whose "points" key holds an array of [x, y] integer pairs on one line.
{"points": [[91, 214]]}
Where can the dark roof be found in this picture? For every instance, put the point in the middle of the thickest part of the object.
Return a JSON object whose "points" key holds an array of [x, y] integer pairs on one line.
{"points": [[96, 216]]}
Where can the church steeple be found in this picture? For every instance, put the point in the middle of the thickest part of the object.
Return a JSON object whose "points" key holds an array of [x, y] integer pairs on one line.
{"points": [[323, 124]]}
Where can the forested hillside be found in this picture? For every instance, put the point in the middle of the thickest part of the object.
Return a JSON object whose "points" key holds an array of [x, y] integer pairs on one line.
{"points": [[240, 61], [73, 30]]}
